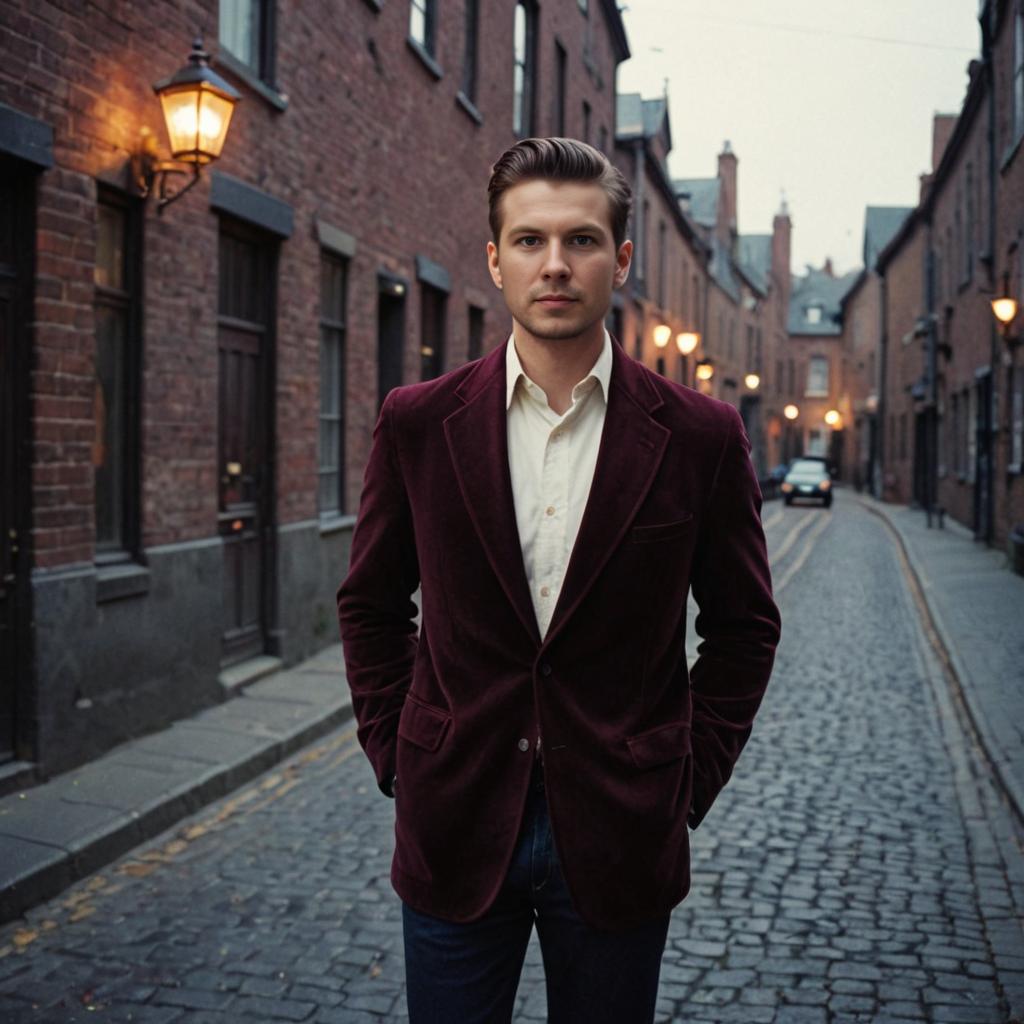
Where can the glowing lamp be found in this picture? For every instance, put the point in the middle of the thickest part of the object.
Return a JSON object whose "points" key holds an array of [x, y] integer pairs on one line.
{"points": [[662, 334], [753, 381], [791, 412], [687, 342]]}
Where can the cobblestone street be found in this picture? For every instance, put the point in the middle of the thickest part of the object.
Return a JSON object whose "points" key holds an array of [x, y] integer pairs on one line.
{"points": [[860, 866]]}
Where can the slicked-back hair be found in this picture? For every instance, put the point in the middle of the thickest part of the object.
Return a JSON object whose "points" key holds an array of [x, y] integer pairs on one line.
{"points": [[557, 159]]}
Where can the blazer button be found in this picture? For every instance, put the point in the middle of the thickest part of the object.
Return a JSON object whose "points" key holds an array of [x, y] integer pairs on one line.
{"points": [[524, 744], [545, 668]]}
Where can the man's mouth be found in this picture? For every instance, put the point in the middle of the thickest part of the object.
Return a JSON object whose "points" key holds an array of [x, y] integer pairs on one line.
{"points": [[555, 300]]}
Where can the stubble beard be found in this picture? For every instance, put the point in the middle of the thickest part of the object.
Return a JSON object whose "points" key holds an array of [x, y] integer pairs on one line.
{"points": [[555, 330]]}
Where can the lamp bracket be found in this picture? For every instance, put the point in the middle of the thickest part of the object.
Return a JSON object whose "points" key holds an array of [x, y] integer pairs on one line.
{"points": [[151, 173]]}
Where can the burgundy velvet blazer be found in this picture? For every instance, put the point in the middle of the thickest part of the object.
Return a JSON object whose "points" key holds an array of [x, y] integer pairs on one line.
{"points": [[634, 745]]}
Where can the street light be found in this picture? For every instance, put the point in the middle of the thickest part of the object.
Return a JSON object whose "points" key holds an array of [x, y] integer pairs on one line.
{"points": [[791, 412], [753, 381], [687, 342], [662, 334], [705, 369], [197, 105], [1004, 309], [833, 419]]}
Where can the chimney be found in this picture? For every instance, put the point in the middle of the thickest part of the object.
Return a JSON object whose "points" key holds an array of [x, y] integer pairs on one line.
{"points": [[782, 231], [828, 267], [942, 132], [727, 197]]}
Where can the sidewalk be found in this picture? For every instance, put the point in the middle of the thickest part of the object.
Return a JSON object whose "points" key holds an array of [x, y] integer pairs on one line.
{"points": [[977, 606], [58, 832]]}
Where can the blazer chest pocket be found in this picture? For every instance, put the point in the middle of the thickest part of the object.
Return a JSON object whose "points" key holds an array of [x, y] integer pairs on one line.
{"points": [[660, 746], [661, 531], [423, 725]]}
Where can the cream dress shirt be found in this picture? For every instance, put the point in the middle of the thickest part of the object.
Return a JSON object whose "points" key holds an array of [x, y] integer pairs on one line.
{"points": [[551, 460]]}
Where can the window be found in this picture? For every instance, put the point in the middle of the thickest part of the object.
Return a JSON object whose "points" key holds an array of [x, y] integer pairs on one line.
{"points": [[638, 331], [970, 429], [778, 376], [954, 434], [472, 17], [662, 261], [331, 493], [583, 5], [432, 325], [1017, 421], [586, 122], [476, 332], [422, 19], [603, 139], [1018, 74], [968, 268], [246, 31], [641, 244], [792, 378], [115, 395], [817, 377], [561, 60], [813, 314], [523, 72], [903, 435]]}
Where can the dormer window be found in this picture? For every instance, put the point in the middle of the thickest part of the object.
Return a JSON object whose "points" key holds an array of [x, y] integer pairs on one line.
{"points": [[813, 314]]}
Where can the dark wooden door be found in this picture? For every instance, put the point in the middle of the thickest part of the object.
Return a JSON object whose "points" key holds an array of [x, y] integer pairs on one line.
{"points": [[245, 404], [983, 455], [17, 199]]}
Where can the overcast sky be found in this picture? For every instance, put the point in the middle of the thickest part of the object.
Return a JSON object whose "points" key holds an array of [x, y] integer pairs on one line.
{"points": [[830, 102]]}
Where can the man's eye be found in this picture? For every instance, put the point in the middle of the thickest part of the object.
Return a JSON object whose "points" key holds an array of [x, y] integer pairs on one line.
{"points": [[583, 240], [529, 241]]}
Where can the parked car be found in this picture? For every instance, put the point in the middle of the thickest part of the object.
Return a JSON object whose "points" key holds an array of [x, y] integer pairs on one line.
{"points": [[808, 478]]}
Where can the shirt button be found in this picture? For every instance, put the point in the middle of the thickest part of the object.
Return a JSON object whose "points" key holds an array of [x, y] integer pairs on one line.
{"points": [[524, 744], [544, 591], [550, 510]]}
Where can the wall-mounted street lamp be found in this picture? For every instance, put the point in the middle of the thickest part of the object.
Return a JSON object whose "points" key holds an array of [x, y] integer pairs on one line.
{"points": [[687, 342], [753, 381], [705, 369], [833, 419], [1004, 309], [662, 335], [791, 412], [197, 105]]}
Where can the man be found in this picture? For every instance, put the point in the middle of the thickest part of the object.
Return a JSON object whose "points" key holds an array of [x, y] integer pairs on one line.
{"points": [[545, 744]]}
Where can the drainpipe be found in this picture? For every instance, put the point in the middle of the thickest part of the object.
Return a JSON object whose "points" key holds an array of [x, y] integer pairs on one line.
{"points": [[878, 483]]}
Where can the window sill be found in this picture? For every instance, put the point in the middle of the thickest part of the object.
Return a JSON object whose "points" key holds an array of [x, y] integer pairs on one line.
{"points": [[126, 579], [335, 524], [428, 61], [245, 74], [469, 107], [815, 394]]}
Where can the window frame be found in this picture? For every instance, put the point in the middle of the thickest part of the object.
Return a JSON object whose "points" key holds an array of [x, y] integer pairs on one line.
{"points": [[428, 8], [337, 325], [812, 362], [264, 44], [527, 63], [471, 48]]}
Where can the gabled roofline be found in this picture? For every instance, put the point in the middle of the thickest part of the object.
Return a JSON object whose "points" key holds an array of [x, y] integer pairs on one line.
{"points": [[618, 30]]}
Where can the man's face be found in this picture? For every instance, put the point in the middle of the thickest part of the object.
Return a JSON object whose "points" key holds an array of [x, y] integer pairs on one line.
{"points": [[556, 260]]}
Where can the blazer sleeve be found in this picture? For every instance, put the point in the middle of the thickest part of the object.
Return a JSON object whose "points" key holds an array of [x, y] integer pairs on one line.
{"points": [[376, 614], [737, 621]]}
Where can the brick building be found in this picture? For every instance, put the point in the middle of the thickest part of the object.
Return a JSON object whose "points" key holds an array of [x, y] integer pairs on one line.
{"points": [[667, 283], [952, 387], [190, 395], [812, 365], [861, 313], [748, 290]]}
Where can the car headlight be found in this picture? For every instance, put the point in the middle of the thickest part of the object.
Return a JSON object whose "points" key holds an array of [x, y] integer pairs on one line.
{"points": [[825, 484]]}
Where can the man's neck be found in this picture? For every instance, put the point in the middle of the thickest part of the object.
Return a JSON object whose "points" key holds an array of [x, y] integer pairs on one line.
{"points": [[557, 366]]}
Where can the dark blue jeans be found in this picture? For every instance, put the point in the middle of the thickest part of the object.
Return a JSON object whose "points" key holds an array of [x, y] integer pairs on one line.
{"points": [[468, 973]]}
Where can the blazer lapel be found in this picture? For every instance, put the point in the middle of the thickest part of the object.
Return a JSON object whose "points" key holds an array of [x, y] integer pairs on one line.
{"points": [[632, 447], [477, 436]]}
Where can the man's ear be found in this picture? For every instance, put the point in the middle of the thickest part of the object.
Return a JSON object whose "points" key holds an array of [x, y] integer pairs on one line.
{"points": [[492, 264], [623, 261]]}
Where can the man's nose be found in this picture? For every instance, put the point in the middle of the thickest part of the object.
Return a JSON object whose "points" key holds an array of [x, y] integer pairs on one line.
{"points": [[556, 264]]}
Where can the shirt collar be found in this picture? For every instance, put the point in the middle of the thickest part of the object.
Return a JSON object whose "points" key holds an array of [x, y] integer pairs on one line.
{"points": [[601, 371]]}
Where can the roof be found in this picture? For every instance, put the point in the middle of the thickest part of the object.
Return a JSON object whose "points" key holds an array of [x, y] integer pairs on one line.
{"points": [[637, 118], [754, 255], [722, 270], [881, 223], [701, 196], [818, 289]]}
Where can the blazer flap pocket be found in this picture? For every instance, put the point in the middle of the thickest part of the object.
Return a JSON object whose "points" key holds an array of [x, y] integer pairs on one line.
{"points": [[660, 746], [422, 724], [660, 531]]}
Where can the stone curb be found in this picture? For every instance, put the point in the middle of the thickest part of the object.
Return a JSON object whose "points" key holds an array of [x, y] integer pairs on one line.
{"points": [[965, 685], [43, 852]]}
